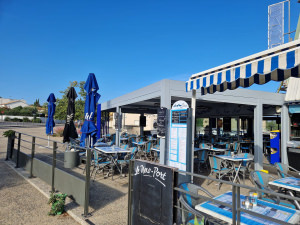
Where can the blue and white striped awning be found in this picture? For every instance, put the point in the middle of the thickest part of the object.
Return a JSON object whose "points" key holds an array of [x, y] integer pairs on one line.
{"points": [[276, 64]]}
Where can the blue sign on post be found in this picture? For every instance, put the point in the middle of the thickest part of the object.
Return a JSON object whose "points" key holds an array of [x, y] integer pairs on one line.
{"points": [[275, 146]]}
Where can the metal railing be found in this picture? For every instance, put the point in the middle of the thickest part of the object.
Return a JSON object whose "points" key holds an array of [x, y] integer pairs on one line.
{"points": [[26, 144]]}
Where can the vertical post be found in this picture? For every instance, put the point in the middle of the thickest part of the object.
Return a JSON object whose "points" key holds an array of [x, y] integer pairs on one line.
{"points": [[234, 205], [238, 205], [9, 146], [210, 129], [129, 222], [141, 128], [87, 182], [53, 165], [193, 106], [290, 39], [117, 127], [12, 147], [18, 152], [285, 133], [238, 128], [32, 156], [165, 101], [258, 137]]}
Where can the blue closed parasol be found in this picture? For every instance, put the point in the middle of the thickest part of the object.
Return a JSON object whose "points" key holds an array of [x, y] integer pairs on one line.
{"points": [[89, 128], [51, 110]]}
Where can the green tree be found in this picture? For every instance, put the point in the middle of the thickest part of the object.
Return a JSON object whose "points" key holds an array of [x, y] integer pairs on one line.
{"points": [[62, 103], [37, 103]]}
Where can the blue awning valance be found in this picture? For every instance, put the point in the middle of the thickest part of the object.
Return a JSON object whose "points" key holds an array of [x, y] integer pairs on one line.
{"points": [[275, 64]]}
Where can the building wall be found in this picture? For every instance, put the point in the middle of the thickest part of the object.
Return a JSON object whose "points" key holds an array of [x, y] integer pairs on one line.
{"points": [[131, 122], [16, 104]]}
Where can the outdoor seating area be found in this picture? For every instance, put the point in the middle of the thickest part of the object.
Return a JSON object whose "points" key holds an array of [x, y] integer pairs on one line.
{"points": [[108, 159], [263, 196]]}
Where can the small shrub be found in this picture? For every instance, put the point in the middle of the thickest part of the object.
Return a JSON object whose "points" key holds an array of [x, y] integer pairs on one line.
{"points": [[58, 204], [26, 120], [16, 120], [7, 119], [36, 120], [58, 131]]}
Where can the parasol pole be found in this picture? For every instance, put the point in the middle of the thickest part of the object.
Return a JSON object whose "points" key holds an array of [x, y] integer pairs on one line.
{"points": [[48, 140]]}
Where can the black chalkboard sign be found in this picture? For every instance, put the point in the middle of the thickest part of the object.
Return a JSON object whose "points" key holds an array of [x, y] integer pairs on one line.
{"points": [[161, 121], [152, 197]]}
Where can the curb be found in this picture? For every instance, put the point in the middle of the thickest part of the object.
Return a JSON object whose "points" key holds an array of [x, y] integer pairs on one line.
{"points": [[21, 172]]}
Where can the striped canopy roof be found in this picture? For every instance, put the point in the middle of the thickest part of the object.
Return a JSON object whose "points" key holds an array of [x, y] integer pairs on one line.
{"points": [[276, 64]]}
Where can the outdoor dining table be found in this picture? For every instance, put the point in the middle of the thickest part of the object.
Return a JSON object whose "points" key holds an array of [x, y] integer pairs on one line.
{"points": [[290, 184], [233, 159], [213, 150], [101, 144], [110, 152], [220, 143], [264, 208], [140, 144], [123, 139]]}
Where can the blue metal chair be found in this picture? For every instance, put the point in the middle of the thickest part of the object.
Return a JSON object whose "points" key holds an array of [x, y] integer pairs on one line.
{"points": [[202, 158], [283, 169], [188, 201], [218, 168], [261, 181]]}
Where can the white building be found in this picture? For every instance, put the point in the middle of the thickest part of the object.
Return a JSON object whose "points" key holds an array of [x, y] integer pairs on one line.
{"points": [[12, 103]]}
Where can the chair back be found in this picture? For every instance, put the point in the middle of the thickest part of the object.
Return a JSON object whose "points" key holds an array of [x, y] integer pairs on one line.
{"points": [[215, 163], [205, 146], [227, 152], [260, 179], [236, 147], [124, 146], [245, 155], [282, 169], [189, 202], [148, 146], [203, 155]]}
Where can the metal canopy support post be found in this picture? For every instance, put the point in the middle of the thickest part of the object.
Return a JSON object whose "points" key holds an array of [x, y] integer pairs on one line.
{"points": [[165, 101], [258, 137], [141, 127], [118, 127], [238, 128], [193, 106], [285, 133]]}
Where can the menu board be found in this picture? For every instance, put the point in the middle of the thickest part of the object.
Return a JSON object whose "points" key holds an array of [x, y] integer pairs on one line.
{"points": [[161, 121], [178, 132], [179, 116]]}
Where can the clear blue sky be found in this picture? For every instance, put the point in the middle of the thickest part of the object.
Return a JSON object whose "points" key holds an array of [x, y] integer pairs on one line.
{"points": [[127, 44]]}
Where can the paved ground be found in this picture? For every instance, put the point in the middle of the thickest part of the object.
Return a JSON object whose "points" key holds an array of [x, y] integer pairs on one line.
{"points": [[23, 204]]}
